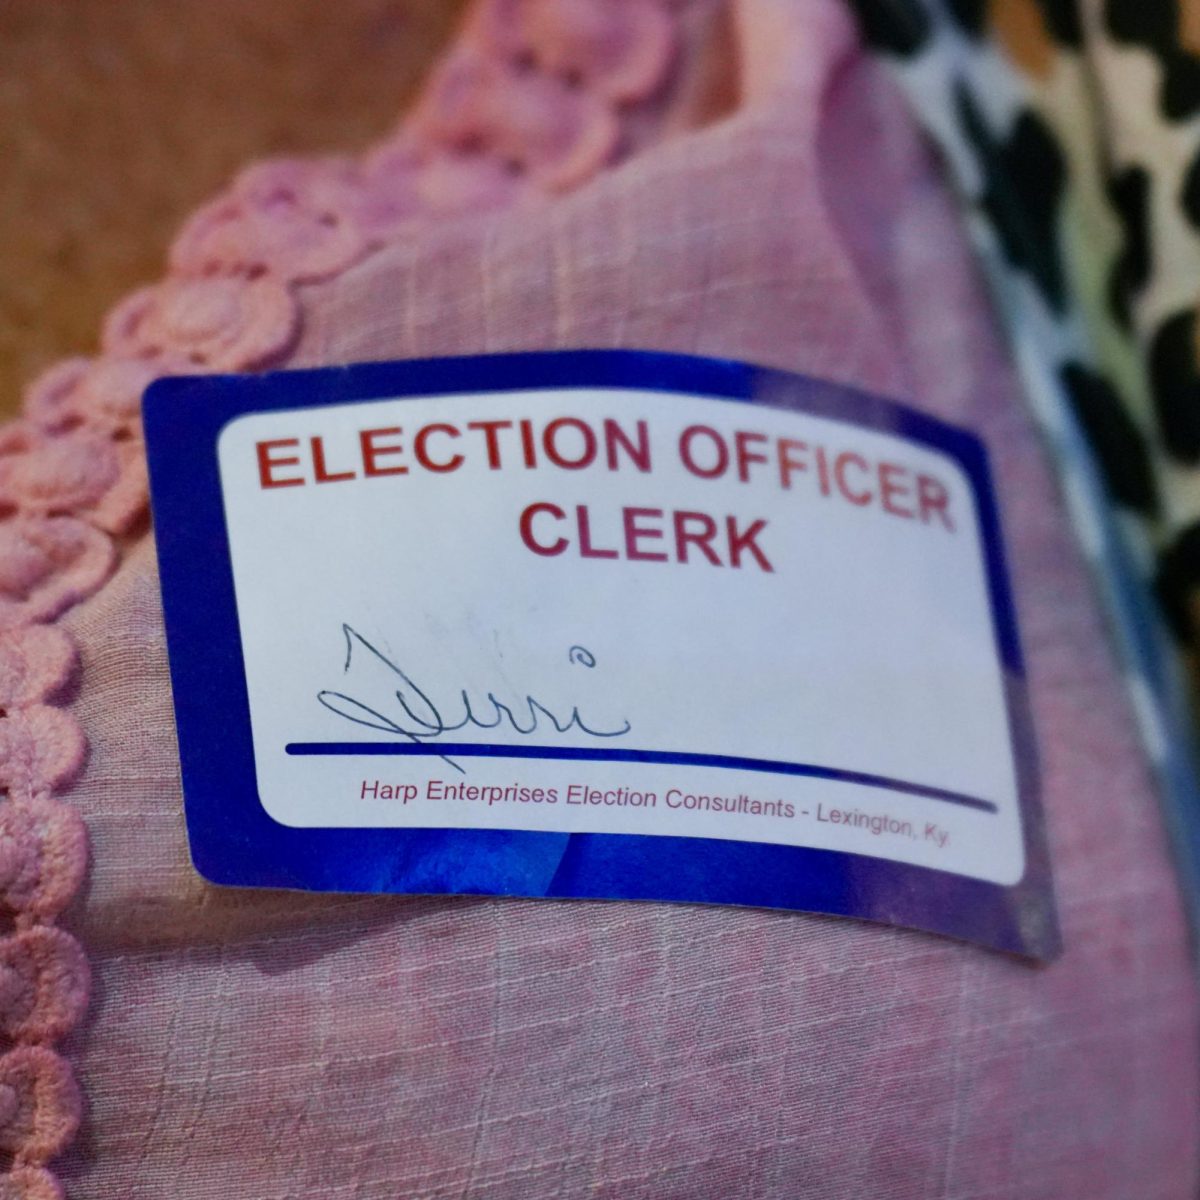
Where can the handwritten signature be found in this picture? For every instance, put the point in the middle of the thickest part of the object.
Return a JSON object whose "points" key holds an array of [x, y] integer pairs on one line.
{"points": [[421, 720]]}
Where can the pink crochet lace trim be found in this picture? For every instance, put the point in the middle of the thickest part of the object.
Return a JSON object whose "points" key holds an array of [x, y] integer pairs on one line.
{"points": [[531, 101]]}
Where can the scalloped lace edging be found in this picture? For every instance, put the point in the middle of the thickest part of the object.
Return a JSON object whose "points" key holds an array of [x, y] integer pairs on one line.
{"points": [[529, 102]]}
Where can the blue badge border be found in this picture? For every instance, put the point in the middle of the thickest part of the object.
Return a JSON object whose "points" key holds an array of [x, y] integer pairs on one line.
{"points": [[235, 842]]}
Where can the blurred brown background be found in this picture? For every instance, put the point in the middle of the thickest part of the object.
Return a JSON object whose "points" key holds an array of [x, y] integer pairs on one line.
{"points": [[117, 119]]}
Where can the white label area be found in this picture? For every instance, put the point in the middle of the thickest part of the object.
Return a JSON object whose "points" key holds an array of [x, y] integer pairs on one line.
{"points": [[745, 623]]}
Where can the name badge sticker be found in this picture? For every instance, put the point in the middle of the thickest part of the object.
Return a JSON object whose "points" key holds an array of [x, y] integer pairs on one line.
{"points": [[596, 624]]}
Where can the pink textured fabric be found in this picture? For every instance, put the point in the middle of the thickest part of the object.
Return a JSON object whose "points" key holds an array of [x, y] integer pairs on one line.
{"points": [[535, 99], [252, 1045]]}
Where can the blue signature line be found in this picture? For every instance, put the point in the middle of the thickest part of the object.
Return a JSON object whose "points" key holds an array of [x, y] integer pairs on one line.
{"points": [[588, 754]]}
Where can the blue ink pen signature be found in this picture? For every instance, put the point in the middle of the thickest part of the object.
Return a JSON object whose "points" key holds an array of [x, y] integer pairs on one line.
{"points": [[421, 720]]}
